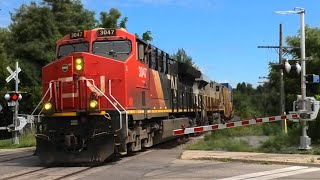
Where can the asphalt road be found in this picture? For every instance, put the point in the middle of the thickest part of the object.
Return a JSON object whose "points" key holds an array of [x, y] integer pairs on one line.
{"points": [[161, 162]]}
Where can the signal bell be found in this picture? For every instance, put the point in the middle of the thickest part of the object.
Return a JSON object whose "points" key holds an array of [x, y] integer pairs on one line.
{"points": [[13, 96], [287, 67]]}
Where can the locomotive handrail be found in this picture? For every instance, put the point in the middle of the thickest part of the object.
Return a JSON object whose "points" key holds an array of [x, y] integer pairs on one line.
{"points": [[110, 93], [109, 102], [49, 89]]}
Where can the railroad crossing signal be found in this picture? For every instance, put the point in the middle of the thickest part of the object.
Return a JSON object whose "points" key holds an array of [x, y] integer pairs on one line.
{"points": [[13, 74], [12, 97]]}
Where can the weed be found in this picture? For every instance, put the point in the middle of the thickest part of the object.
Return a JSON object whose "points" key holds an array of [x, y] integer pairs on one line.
{"points": [[312, 160], [226, 159]]}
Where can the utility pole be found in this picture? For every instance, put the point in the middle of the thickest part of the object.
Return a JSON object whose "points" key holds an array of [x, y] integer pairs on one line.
{"points": [[282, 95], [15, 118], [280, 47]]}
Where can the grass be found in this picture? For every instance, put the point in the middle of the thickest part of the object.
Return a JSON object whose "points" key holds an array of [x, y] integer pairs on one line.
{"points": [[223, 139], [26, 140], [221, 144], [278, 142]]}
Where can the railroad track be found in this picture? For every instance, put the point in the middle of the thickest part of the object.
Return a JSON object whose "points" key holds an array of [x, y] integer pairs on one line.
{"points": [[55, 173], [10, 156], [15, 158], [72, 173]]}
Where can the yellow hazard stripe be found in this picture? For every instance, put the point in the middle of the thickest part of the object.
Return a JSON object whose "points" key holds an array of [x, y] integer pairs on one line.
{"points": [[75, 114], [158, 111], [129, 112], [64, 114]]}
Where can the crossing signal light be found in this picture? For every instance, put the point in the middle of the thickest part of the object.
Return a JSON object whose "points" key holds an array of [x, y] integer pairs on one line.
{"points": [[13, 96], [287, 67]]}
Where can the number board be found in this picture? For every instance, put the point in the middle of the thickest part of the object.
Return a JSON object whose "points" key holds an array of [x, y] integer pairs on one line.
{"points": [[107, 32], [76, 35]]}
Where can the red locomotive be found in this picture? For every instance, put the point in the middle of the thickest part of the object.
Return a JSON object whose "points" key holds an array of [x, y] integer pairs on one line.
{"points": [[110, 93]]}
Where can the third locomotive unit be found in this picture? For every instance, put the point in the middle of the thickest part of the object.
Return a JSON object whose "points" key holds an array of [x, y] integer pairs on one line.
{"points": [[110, 93]]}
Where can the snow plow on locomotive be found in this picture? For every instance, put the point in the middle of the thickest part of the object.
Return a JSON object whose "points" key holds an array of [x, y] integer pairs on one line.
{"points": [[110, 93]]}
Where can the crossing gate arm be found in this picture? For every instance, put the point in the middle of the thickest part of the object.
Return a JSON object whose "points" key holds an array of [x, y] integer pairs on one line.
{"points": [[198, 129]]}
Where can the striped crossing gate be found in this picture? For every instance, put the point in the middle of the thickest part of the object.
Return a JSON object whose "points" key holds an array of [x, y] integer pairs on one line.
{"points": [[198, 129]]}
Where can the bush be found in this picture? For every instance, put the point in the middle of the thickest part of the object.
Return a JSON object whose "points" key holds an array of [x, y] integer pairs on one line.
{"points": [[271, 128], [275, 143], [281, 141]]}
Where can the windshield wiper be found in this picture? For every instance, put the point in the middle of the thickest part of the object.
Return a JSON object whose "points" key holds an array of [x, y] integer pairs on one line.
{"points": [[114, 52]]}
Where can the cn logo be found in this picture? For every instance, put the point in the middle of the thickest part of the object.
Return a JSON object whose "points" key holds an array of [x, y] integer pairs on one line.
{"points": [[142, 72]]}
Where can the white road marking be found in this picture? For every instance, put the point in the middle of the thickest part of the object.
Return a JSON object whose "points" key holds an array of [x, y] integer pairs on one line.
{"points": [[285, 174], [259, 175]]}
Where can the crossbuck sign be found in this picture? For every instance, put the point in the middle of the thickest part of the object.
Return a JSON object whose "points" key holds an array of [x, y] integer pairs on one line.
{"points": [[13, 74]]}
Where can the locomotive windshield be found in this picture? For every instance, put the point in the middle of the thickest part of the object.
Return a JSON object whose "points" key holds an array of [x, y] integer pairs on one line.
{"points": [[67, 49], [118, 50]]}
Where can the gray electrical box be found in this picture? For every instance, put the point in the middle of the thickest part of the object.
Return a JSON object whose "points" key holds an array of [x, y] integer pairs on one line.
{"points": [[311, 111]]}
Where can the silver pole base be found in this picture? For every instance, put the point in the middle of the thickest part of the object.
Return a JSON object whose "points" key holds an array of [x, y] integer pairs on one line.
{"points": [[15, 138], [305, 143]]}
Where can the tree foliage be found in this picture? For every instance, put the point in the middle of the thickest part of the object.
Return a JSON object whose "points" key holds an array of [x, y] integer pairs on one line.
{"points": [[110, 19], [252, 102], [182, 56], [70, 15], [146, 36]]}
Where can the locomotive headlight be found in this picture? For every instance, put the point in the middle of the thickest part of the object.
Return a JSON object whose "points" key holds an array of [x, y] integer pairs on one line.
{"points": [[78, 63], [47, 106], [79, 67], [93, 104]]}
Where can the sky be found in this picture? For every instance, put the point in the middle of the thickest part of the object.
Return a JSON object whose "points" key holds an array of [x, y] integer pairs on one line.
{"points": [[221, 36]]}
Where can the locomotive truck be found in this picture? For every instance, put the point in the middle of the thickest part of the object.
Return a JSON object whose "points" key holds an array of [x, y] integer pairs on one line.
{"points": [[109, 93]]}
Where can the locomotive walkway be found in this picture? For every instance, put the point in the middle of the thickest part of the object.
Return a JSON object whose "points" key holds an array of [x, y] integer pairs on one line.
{"points": [[265, 158]]}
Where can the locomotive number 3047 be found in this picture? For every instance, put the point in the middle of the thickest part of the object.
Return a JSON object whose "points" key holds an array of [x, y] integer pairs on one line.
{"points": [[107, 32], [142, 72], [75, 35]]}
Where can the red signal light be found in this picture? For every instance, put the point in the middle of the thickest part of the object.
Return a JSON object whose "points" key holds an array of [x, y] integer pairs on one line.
{"points": [[14, 97]]}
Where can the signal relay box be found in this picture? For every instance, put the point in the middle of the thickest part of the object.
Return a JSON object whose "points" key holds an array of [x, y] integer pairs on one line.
{"points": [[311, 108]]}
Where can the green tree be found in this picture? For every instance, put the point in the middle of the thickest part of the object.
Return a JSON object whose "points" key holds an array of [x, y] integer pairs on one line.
{"points": [[110, 19], [4, 59], [182, 56], [123, 23], [146, 36], [70, 15], [30, 39]]}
